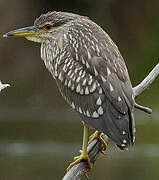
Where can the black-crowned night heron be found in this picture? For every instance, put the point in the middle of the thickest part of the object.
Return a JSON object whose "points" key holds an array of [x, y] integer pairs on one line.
{"points": [[90, 74]]}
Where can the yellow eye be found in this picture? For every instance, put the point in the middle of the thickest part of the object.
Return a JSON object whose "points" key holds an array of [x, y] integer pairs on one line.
{"points": [[48, 27]]}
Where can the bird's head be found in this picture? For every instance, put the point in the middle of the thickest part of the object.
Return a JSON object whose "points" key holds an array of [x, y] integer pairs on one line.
{"points": [[45, 27]]}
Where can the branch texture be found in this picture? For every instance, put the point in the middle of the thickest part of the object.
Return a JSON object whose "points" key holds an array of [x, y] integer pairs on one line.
{"points": [[95, 147]]}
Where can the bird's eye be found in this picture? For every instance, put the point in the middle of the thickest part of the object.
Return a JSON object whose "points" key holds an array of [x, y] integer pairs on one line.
{"points": [[48, 27]]}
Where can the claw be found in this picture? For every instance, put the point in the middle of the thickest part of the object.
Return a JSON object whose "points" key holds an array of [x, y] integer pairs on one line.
{"points": [[86, 175], [75, 158], [78, 159], [97, 135], [103, 152]]}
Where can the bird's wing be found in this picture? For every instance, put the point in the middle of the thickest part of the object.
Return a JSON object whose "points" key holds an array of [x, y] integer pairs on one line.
{"points": [[94, 50], [95, 82]]}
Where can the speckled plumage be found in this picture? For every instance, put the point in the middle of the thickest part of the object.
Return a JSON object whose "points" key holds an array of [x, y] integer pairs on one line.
{"points": [[90, 73]]}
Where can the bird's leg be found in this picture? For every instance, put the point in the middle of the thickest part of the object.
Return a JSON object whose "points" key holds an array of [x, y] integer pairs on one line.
{"points": [[97, 135], [84, 154]]}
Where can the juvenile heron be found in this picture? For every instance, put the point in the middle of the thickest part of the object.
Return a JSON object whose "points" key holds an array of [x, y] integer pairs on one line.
{"points": [[90, 74]]}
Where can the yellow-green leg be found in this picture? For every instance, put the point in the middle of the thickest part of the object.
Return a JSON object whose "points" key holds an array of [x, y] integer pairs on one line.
{"points": [[97, 135], [84, 153]]}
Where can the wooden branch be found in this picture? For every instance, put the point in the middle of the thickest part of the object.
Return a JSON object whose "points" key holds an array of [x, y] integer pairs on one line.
{"points": [[147, 81], [94, 148], [79, 170], [143, 108], [3, 86]]}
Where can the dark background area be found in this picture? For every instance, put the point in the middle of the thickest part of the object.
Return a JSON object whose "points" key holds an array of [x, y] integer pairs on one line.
{"points": [[39, 133]]}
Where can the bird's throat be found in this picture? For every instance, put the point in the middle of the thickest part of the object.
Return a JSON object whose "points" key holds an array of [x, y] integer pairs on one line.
{"points": [[34, 39]]}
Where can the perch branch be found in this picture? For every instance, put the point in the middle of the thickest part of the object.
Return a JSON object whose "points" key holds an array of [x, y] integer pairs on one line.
{"points": [[147, 81], [95, 147], [79, 170]]}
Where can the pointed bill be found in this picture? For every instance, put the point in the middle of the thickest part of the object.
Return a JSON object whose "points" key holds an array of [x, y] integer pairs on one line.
{"points": [[23, 32]]}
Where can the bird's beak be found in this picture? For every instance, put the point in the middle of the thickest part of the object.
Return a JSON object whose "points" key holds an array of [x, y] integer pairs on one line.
{"points": [[23, 32]]}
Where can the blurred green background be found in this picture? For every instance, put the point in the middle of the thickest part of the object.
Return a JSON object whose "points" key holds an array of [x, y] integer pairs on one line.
{"points": [[39, 133]]}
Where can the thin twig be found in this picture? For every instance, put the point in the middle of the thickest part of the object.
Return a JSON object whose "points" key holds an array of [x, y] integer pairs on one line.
{"points": [[147, 81], [78, 171], [3, 86], [143, 108]]}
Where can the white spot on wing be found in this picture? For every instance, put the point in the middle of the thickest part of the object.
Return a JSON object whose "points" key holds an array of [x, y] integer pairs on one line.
{"points": [[100, 90], [69, 83], [99, 101], [65, 82], [111, 87], [88, 114], [73, 105], [73, 87], [81, 91], [78, 79], [93, 88], [90, 81], [83, 75], [87, 65], [65, 36], [83, 61], [60, 77], [71, 76], [74, 78], [89, 55], [84, 82], [71, 66], [119, 98], [100, 110], [97, 48], [86, 90], [77, 57], [80, 73], [64, 68], [68, 64], [78, 88], [76, 70], [95, 114], [103, 79], [69, 72], [108, 71], [66, 61], [95, 72], [80, 110]]}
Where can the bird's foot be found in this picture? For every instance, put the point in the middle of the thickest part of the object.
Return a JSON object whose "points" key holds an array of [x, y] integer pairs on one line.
{"points": [[78, 159], [97, 135]]}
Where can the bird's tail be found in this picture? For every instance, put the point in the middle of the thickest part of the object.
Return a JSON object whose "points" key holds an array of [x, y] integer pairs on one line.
{"points": [[118, 127]]}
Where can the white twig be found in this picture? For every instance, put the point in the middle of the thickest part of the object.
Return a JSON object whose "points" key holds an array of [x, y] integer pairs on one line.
{"points": [[145, 109], [94, 148], [147, 81], [3, 86]]}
